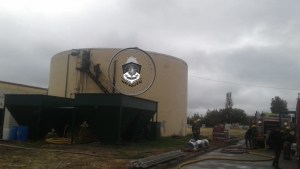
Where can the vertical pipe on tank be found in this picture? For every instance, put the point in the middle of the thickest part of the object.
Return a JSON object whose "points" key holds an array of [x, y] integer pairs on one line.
{"points": [[114, 76], [67, 75]]}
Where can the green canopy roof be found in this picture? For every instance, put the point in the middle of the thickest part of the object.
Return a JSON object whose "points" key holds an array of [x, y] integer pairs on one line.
{"points": [[111, 117]]}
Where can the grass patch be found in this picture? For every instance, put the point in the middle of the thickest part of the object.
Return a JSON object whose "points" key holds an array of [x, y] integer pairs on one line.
{"points": [[207, 133], [107, 156], [238, 133]]}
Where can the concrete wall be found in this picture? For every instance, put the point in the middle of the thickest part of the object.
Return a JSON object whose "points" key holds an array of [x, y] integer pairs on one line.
{"points": [[169, 88]]}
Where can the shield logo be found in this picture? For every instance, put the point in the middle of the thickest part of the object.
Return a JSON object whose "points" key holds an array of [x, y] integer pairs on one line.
{"points": [[131, 72]]}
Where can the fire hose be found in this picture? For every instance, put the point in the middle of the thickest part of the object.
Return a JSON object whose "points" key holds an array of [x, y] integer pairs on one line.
{"points": [[59, 140]]}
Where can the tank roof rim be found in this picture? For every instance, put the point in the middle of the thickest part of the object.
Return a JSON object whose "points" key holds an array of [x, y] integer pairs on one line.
{"points": [[162, 54]]}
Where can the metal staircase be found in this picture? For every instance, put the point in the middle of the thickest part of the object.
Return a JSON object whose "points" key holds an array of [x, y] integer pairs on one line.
{"points": [[95, 73]]}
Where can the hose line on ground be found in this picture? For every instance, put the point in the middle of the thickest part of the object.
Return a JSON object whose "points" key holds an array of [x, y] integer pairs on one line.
{"points": [[269, 158]]}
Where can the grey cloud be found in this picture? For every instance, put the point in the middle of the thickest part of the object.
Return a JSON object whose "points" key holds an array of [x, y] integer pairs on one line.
{"points": [[245, 42]]}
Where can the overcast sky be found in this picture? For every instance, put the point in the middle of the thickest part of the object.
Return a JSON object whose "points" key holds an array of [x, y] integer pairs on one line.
{"points": [[247, 47]]}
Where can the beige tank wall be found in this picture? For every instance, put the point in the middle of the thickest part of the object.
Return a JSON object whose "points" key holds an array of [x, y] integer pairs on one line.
{"points": [[58, 74], [169, 88]]}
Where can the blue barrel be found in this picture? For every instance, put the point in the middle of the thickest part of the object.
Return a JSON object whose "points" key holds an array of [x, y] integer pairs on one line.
{"points": [[22, 134], [12, 134]]}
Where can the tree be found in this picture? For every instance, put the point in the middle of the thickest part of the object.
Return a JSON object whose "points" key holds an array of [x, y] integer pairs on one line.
{"points": [[278, 105], [228, 107], [215, 117], [237, 116], [212, 118], [228, 102]]}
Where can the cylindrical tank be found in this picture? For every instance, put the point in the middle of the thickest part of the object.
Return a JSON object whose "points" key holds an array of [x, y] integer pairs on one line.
{"points": [[169, 87]]}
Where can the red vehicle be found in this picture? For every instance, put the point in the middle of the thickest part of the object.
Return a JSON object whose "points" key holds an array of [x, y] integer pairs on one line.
{"points": [[298, 126], [265, 124]]}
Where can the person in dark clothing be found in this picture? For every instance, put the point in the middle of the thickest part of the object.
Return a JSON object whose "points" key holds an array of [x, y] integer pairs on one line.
{"points": [[275, 140], [196, 129], [287, 143], [248, 138], [254, 135]]}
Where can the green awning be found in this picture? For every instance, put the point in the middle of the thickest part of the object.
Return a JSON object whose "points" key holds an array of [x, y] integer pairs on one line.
{"points": [[40, 113], [111, 117], [112, 100], [36, 100]]}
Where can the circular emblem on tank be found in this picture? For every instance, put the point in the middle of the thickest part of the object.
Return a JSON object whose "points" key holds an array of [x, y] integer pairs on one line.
{"points": [[132, 71]]}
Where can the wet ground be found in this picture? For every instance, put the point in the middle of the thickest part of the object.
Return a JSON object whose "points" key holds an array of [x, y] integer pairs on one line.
{"points": [[229, 164]]}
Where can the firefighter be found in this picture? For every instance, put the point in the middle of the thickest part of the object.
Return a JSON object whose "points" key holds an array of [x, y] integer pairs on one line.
{"points": [[276, 141], [248, 138], [196, 129], [84, 133], [254, 135], [287, 143]]}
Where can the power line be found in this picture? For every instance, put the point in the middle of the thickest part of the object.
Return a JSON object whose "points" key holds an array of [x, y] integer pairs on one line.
{"points": [[242, 84]]}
